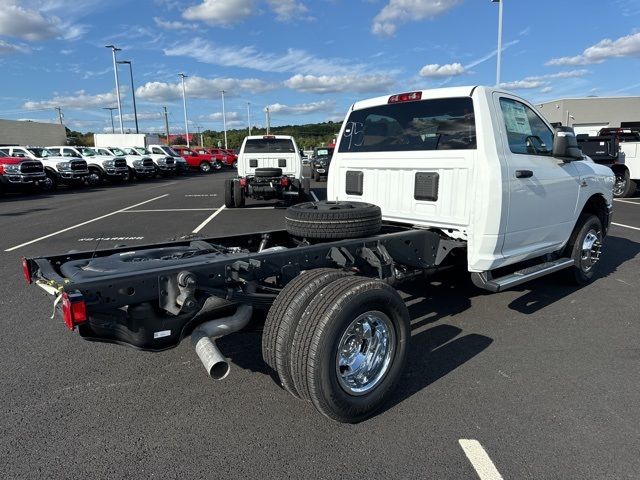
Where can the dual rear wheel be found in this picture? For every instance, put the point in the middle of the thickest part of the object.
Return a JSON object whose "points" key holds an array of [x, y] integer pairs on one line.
{"points": [[338, 341]]}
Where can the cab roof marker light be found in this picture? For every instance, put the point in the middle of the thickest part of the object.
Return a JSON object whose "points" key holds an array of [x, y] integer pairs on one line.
{"points": [[405, 97]]}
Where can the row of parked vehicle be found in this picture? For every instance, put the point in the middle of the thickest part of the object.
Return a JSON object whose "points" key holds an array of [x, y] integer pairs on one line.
{"points": [[45, 168]]}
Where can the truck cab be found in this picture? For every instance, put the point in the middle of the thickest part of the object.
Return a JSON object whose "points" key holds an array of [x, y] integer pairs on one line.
{"points": [[477, 164], [59, 169]]}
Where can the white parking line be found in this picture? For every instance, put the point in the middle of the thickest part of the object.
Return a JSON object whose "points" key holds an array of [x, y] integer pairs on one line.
{"points": [[315, 197], [211, 217], [625, 226], [481, 462], [627, 201], [173, 210], [83, 223]]}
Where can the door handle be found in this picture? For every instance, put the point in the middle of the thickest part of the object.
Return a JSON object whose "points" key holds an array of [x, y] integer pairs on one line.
{"points": [[524, 174]]}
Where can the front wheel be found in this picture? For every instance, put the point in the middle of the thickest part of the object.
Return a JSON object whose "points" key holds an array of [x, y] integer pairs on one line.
{"points": [[349, 348], [95, 177], [50, 182], [235, 164], [205, 167], [585, 248], [624, 186], [217, 165]]}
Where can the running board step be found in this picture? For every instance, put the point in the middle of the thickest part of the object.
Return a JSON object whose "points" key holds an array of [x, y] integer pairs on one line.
{"points": [[484, 279]]}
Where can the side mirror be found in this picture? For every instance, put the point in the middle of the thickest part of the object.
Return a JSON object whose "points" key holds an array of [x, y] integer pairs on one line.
{"points": [[565, 144]]}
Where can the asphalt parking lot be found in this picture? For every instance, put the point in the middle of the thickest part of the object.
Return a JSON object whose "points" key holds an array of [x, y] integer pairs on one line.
{"points": [[545, 377]]}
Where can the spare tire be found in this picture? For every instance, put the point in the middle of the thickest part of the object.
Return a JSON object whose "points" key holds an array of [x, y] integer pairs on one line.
{"points": [[335, 220], [268, 172]]}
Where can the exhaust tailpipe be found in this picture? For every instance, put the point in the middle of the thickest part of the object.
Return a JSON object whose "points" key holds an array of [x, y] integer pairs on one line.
{"points": [[214, 363]]}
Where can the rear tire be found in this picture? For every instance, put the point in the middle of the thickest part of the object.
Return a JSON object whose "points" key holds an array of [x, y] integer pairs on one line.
{"points": [[337, 220], [205, 167], [268, 172], [283, 317], [585, 247], [349, 348], [228, 193], [238, 194]]}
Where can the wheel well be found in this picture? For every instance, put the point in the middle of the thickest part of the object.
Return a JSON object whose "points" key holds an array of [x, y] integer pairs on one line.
{"points": [[618, 168], [597, 205]]}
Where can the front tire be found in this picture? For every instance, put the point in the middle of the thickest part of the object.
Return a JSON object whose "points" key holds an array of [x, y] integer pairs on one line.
{"points": [[205, 167], [95, 177], [50, 183], [350, 347], [624, 187], [584, 247]]}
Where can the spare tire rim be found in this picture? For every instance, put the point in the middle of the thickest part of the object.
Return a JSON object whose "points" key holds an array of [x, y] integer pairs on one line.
{"points": [[591, 249], [365, 353]]}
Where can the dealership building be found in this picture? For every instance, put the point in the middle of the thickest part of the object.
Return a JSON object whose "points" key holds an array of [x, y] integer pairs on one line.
{"points": [[14, 132], [590, 114]]}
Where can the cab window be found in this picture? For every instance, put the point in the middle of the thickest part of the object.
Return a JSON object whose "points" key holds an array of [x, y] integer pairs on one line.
{"points": [[527, 134], [435, 124]]}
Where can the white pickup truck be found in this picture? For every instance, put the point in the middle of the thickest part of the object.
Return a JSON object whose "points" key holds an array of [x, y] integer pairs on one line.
{"points": [[469, 176], [67, 170], [101, 167], [139, 166]]}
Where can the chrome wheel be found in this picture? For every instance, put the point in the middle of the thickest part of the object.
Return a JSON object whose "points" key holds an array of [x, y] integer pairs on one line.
{"points": [[94, 179], [46, 184], [591, 249], [205, 167], [365, 352], [620, 185]]}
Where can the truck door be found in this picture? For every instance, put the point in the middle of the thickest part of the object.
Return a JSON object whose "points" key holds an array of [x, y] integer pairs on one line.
{"points": [[543, 190]]}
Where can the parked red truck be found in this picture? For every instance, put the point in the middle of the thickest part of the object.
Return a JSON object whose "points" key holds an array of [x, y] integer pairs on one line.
{"points": [[202, 161], [19, 173]]}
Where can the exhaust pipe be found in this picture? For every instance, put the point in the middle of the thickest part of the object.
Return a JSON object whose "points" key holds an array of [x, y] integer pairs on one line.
{"points": [[216, 365]]}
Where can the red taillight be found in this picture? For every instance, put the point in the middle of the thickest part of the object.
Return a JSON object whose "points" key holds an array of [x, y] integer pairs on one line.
{"points": [[284, 181], [243, 182], [26, 270], [74, 310], [405, 97]]}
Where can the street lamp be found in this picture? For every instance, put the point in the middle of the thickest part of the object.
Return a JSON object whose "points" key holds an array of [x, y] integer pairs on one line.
{"points": [[499, 40], [249, 116], [184, 104], [115, 49], [224, 121], [133, 91], [111, 109]]}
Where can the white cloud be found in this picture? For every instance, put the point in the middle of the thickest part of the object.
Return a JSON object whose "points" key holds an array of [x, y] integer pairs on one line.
{"points": [[522, 84], [292, 60], [199, 87], [565, 74], [80, 100], [401, 11], [287, 10], [546, 89], [339, 83], [221, 12], [172, 24], [26, 24], [627, 46], [447, 70], [130, 117], [217, 116], [7, 48], [303, 108], [27, 21]]}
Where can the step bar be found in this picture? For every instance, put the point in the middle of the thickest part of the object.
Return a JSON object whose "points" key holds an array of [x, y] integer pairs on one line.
{"points": [[486, 281]]}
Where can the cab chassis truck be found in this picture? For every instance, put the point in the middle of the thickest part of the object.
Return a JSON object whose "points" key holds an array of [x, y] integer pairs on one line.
{"points": [[337, 331]]}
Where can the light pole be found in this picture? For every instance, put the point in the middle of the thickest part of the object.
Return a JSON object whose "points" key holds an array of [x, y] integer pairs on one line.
{"points": [[268, 114], [133, 92], [224, 120], [115, 49], [111, 109], [184, 104], [249, 116], [499, 56]]}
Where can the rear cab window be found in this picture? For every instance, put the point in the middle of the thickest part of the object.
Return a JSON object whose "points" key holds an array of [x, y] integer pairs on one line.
{"points": [[435, 124], [269, 145]]}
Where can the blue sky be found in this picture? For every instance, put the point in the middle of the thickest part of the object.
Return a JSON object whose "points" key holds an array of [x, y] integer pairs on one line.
{"points": [[307, 59]]}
